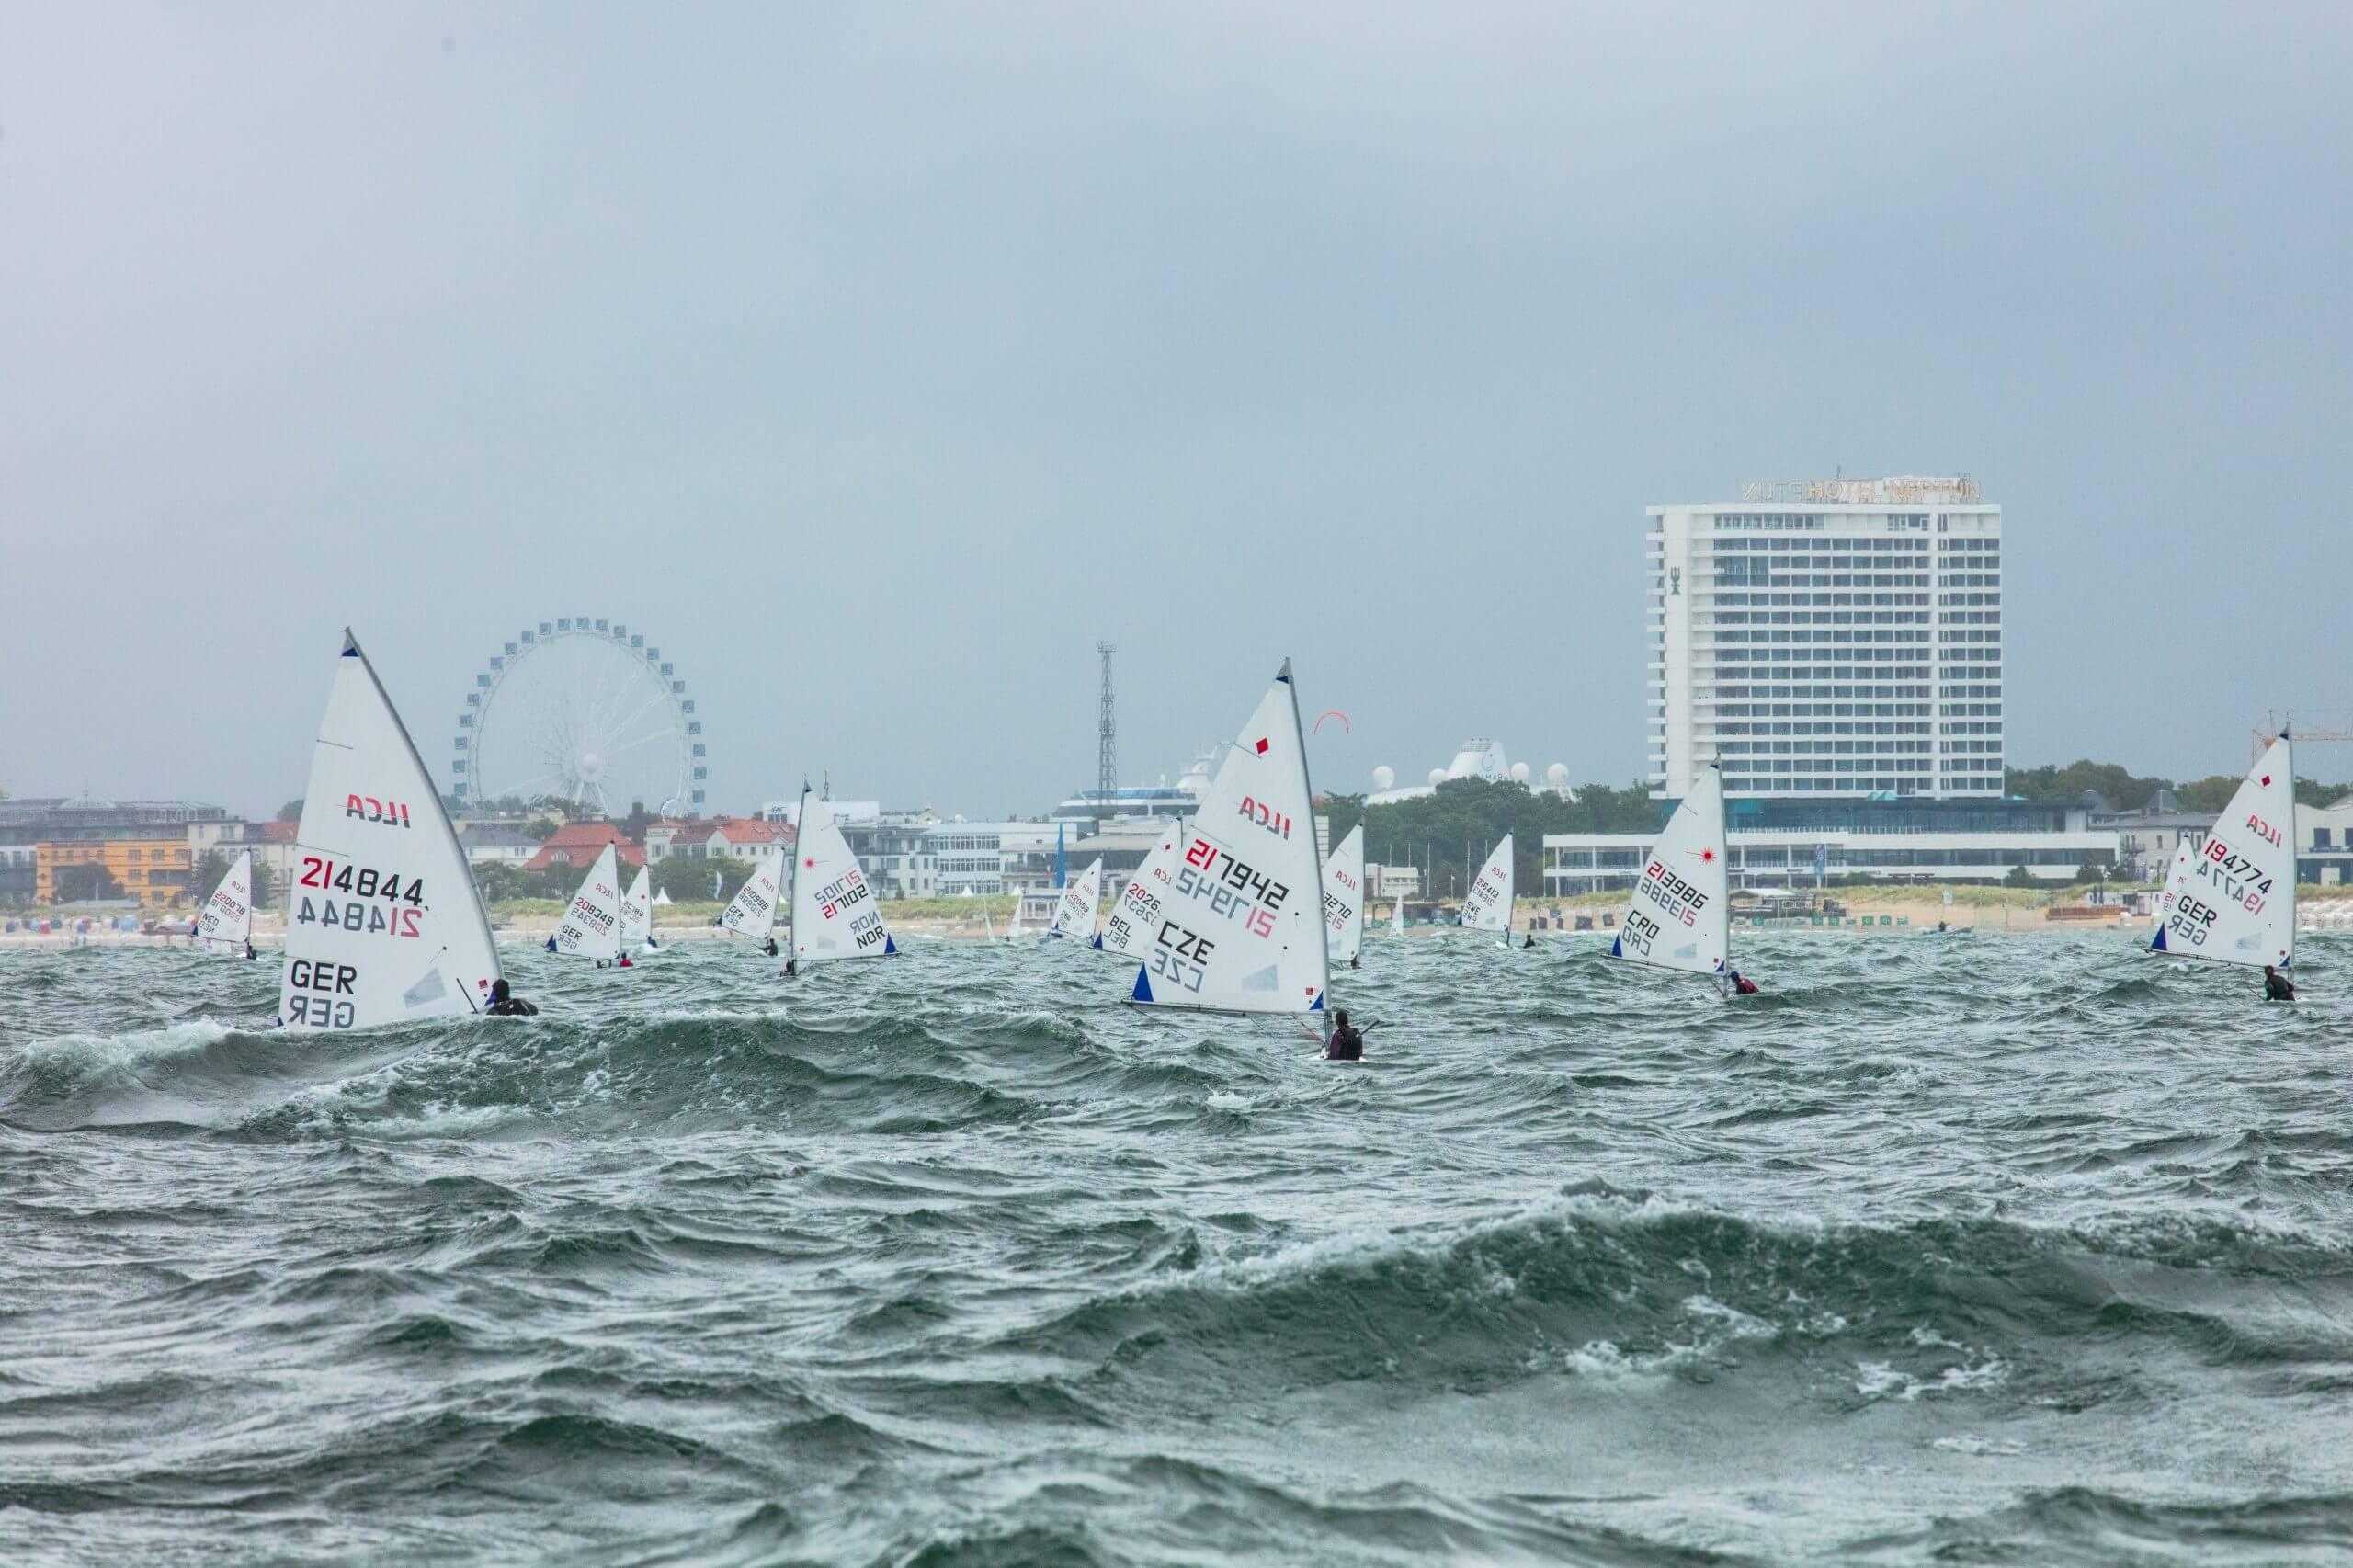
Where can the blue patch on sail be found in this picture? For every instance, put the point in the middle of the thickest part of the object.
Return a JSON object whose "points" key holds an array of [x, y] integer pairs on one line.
{"points": [[1616, 952], [2157, 942], [1144, 985], [550, 944], [1316, 1006], [889, 948], [1098, 944]]}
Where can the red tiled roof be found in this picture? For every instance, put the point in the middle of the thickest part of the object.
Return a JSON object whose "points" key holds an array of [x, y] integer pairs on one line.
{"points": [[577, 843], [277, 832], [738, 831]]}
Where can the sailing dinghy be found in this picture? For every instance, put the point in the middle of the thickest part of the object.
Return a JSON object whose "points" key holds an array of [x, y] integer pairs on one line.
{"points": [[1013, 926], [637, 914], [1136, 915], [1397, 918], [1343, 899], [1680, 916], [2233, 898], [1487, 906], [591, 927], [382, 923], [1236, 925], [1075, 911], [227, 919], [834, 911], [752, 912]]}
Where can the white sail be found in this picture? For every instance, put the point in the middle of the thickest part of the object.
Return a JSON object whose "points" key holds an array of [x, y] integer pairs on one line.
{"points": [[637, 912], [382, 923], [1343, 898], [2233, 898], [1681, 914], [1013, 926], [591, 927], [228, 915], [752, 912], [1240, 926], [1075, 911], [1397, 918], [1136, 913], [833, 912], [1487, 907]]}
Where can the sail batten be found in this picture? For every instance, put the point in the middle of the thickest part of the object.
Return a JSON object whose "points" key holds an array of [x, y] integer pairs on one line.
{"points": [[1227, 913], [382, 922], [2231, 898], [1680, 915]]}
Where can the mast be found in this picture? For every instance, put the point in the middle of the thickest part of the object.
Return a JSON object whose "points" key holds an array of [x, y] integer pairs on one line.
{"points": [[1323, 926]]}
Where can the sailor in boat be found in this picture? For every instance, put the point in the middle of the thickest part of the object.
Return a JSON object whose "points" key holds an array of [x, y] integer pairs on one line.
{"points": [[250, 954], [1530, 942], [1355, 963], [1742, 985], [791, 966], [505, 1004], [769, 947], [1347, 1043], [2277, 987]]}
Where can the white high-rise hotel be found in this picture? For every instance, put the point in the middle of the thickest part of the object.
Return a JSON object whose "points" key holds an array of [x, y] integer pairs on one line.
{"points": [[1838, 637]]}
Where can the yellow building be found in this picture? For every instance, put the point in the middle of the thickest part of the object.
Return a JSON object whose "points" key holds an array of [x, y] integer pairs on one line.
{"points": [[152, 871]]}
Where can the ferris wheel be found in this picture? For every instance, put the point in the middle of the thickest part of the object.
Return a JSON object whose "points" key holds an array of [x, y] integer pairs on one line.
{"points": [[578, 709]]}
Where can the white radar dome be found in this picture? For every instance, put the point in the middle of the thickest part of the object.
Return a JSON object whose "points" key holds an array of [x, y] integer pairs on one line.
{"points": [[1385, 778], [1557, 775], [1519, 773], [1438, 777]]}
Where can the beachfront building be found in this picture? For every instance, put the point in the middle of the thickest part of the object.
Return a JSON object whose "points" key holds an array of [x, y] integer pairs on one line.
{"points": [[579, 844], [2325, 842], [86, 848], [1837, 637], [2148, 836], [1772, 843], [715, 838]]}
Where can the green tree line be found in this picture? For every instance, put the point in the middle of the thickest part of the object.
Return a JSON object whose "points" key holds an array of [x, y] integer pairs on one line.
{"points": [[2128, 791], [1449, 831]]}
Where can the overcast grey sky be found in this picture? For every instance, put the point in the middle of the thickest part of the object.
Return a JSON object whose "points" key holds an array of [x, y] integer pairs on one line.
{"points": [[879, 359]]}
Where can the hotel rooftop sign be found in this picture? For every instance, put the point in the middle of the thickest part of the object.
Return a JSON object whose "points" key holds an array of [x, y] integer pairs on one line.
{"points": [[1904, 490]]}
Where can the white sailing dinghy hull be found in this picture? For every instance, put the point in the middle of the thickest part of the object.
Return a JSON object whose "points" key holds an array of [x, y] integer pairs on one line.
{"points": [[1681, 915], [1239, 926], [2231, 899], [835, 914], [1487, 906], [1075, 911], [1343, 898], [591, 926], [383, 921], [227, 917]]}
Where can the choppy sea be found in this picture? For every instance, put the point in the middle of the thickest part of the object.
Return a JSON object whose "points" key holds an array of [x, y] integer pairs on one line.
{"points": [[1946, 1249]]}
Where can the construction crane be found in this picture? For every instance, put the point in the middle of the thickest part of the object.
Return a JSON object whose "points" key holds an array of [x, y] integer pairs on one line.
{"points": [[2273, 723]]}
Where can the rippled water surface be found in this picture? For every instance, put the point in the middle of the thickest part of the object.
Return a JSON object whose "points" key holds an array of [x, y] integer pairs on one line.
{"points": [[1974, 1248]]}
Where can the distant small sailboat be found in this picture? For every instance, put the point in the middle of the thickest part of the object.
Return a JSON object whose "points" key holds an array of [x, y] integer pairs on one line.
{"points": [[752, 912], [1075, 911], [382, 923], [1397, 918], [834, 911], [591, 926], [227, 919], [2232, 898], [1343, 899], [637, 914], [1487, 906], [1237, 926], [1681, 915], [1013, 926], [1135, 914]]}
